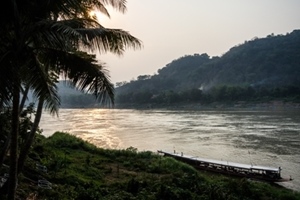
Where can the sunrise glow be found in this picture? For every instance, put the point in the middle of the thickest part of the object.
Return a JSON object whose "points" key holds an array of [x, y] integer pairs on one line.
{"points": [[101, 18]]}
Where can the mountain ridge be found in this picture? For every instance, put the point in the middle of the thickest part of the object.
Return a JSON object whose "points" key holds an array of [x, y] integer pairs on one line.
{"points": [[270, 62]]}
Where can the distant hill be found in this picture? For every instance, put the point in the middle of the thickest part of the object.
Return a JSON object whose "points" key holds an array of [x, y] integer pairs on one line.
{"points": [[261, 64], [70, 97]]}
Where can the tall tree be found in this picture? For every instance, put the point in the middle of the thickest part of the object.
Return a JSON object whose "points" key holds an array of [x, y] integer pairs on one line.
{"points": [[45, 39]]}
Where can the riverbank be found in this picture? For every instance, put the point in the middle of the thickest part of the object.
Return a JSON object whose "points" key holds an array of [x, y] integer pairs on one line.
{"points": [[65, 167]]}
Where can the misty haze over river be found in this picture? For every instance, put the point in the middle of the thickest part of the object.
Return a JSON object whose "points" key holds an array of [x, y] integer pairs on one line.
{"points": [[268, 138]]}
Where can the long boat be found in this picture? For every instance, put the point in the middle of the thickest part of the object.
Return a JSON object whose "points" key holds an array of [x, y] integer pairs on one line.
{"points": [[270, 174]]}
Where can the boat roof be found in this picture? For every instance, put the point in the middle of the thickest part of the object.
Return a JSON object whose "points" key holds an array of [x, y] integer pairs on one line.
{"points": [[224, 163]]}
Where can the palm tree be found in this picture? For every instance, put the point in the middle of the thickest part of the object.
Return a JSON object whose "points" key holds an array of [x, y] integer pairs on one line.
{"points": [[46, 39]]}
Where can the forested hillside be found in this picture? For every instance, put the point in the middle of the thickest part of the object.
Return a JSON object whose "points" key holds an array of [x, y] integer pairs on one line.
{"points": [[262, 68], [70, 97]]}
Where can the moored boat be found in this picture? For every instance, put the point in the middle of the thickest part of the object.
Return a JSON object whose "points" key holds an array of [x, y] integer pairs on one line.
{"points": [[270, 174]]}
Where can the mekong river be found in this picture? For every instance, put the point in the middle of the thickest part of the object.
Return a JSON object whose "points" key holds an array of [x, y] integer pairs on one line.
{"points": [[268, 138]]}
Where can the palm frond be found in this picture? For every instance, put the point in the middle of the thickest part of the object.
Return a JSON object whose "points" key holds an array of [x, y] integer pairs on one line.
{"points": [[99, 6], [77, 23], [42, 83], [83, 71], [119, 5], [68, 9], [56, 34], [53, 34], [112, 40], [8, 75]]}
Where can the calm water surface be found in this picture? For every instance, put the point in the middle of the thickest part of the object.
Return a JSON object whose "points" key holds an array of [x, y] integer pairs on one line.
{"points": [[269, 138]]}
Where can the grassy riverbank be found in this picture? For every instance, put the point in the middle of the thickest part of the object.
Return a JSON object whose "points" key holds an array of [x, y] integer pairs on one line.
{"points": [[78, 170]]}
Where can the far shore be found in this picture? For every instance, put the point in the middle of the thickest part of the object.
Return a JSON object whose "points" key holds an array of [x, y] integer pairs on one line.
{"points": [[241, 105]]}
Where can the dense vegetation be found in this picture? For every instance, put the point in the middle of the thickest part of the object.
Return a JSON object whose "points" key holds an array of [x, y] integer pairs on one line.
{"points": [[73, 169], [71, 98], [260, 69]]}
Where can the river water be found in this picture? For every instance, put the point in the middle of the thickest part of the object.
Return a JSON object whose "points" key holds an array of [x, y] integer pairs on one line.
{"points": [[268, 138]]}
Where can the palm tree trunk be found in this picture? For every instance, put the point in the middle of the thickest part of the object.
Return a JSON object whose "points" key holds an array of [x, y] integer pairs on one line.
{"points": [[24, 98], [25, 149], [4, 150], [13, 176]]}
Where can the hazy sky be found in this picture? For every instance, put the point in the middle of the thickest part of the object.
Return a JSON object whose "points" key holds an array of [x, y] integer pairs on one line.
{"points": [[170, 29]]}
